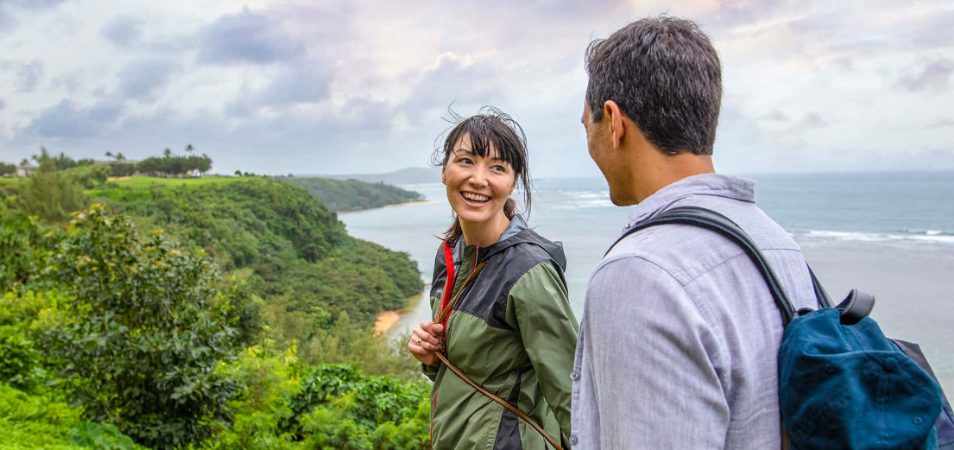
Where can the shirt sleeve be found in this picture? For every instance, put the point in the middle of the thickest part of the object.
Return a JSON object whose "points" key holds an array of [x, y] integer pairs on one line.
{"points": [[541, 310], [654, 361]]}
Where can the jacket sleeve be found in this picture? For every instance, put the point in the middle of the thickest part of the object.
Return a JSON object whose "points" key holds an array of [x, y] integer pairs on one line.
{"points": [[539, 306]]}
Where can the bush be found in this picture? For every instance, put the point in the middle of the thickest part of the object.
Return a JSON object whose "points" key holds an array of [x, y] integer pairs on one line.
{"points": [[340, 407], [150, 329], [49, 194], [89, 176], [40, 422]]}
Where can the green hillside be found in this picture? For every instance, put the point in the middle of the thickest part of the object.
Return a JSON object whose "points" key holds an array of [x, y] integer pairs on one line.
{"points": [[196, 313], [352, 195], [276, 237]]}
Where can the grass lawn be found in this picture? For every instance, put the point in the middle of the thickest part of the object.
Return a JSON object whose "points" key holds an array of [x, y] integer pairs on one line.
{"points": [[130, 188], [141, 182]]}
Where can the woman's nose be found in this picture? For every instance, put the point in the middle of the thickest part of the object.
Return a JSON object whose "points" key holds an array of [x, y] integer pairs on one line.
{"points": [[479, 176]]}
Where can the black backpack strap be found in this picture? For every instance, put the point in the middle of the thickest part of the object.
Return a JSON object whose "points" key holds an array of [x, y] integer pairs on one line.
{"points": [[711, 220], [820, 295]]}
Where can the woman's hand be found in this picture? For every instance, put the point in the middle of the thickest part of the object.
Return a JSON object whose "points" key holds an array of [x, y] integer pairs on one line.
{"points": [[425, 341]]}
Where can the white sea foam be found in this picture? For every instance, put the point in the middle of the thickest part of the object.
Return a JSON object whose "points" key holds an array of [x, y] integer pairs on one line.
{"points": [[929, 236], [584, 200]]}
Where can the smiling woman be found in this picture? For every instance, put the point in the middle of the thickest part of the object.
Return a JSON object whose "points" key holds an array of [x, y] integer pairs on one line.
{"points": [[483, 157], [503, 325]]}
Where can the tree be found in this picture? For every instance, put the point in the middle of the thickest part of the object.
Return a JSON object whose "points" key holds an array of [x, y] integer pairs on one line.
{"points": [[189, 149], [109, 154], [48, 193], [7, 169], [167, 153], [151, 327]]}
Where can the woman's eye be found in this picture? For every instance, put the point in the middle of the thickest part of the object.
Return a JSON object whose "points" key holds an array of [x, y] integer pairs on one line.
{"points": [[465, 160], [500, 168]]}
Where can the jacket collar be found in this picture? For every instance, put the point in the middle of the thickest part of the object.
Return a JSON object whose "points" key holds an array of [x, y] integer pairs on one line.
{"points": [[517, 224]]}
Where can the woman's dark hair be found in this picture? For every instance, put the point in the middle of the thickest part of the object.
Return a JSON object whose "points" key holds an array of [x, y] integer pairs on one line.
{"points": [[489, 129]]}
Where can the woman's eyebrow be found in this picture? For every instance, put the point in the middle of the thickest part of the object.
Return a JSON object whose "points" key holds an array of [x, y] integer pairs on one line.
{"points": [[472, 153]]}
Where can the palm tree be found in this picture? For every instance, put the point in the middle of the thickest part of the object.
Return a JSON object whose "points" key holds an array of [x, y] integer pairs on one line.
{"points": [[109, 154], [167, 153], [120, 157], [189, 149]]}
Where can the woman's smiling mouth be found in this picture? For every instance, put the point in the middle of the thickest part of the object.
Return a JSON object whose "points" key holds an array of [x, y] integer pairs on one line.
{"points": [[471, 197]]}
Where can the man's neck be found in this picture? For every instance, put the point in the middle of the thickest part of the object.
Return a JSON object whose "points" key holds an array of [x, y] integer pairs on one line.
{"points": [[661, 170]]}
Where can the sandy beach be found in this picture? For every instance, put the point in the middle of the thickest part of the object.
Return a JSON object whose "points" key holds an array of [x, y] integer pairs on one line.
{"points": [[386, 320]]}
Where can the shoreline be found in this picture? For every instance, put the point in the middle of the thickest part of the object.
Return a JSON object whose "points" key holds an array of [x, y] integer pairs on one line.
{"points": [[386, 320]]}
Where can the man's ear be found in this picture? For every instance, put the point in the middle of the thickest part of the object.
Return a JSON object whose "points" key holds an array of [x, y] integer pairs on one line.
{"points": [[614, 115]]}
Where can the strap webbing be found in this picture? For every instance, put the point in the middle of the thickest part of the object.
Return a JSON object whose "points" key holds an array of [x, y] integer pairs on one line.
{"points": [[711, 220], [443, 315]]}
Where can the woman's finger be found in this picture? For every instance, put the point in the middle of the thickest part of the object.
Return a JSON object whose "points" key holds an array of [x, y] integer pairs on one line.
{"points": [[423, 336]]}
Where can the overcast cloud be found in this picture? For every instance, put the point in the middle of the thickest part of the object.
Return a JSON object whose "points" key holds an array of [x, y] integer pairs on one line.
{"points": [[362, 86]]}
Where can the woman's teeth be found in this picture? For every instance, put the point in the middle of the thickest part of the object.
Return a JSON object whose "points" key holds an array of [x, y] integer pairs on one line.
{"points": [[475, 197]]}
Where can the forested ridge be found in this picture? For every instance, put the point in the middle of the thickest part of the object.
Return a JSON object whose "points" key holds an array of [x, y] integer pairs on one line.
{"points": [[351, 194], [223, 312]]}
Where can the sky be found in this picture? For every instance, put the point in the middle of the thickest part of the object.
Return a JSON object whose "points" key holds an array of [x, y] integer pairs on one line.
{"points": [[335, 87]]}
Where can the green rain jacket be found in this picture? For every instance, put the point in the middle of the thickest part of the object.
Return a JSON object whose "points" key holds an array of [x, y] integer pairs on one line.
{"points": [[512, 331]]}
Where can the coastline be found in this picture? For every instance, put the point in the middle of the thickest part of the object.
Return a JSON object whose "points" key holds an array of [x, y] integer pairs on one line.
{"points": [[386, 320]]}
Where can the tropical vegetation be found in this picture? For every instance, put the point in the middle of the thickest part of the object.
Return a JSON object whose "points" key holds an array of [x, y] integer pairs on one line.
{"points": [[217, 312]]}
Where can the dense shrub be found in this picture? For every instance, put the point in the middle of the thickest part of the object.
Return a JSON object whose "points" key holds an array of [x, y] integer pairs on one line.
{"points": [[146, 329], [50, 194], [38, 421]]}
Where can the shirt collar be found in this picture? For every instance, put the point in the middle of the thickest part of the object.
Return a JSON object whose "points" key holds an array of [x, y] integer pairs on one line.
{"points": [[705, 184]]}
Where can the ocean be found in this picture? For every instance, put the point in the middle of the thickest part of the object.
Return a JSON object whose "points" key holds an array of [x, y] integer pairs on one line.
{"points": [[888, 233]]}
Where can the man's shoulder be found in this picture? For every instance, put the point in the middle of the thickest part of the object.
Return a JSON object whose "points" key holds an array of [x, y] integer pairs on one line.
{"points": [[686, 252]]}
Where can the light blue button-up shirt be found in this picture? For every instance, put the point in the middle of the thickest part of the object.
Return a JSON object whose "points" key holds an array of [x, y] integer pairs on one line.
{"points": [[679, 336]]}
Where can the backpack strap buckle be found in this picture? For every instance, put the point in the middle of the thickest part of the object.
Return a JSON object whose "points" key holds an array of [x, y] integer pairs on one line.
{"points": [[856, 306]]}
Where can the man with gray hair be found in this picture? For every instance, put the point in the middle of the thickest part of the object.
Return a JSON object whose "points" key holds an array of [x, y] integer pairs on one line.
{"points": [[679, 336]]}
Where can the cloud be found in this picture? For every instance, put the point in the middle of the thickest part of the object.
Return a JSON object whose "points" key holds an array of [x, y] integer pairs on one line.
{"points": [[7, 21], [299, 84], [28, 76], [934, 77], [35, 4], [942, 123], [465, 81], [247, 37], [69, 120], [811, 121], [775, 116], [140, 79], [123, 31], [3, 104]]}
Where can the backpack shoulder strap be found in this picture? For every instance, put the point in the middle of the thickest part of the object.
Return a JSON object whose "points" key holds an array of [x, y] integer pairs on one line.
{"points": [[711, 220]]}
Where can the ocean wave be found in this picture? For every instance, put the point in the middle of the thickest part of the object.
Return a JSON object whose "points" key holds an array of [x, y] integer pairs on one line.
{"points": [[575, 199], [929, 236]]}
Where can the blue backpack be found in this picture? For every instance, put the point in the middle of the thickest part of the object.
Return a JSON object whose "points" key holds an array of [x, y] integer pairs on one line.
{"points": [[842, 383]]}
